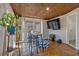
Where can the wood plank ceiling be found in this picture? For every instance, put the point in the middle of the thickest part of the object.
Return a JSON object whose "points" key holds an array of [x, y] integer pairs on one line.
{"points": [[38, 10]]}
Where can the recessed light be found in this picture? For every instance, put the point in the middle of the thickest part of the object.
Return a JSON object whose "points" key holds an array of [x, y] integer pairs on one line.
{"points": [[47, 8]]}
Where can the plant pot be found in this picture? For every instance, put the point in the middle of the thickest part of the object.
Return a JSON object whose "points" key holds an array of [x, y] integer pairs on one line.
{"points": [[11, 30]]}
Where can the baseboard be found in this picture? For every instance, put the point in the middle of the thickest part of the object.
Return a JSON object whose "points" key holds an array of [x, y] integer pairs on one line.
{"points": [[70, 46]]}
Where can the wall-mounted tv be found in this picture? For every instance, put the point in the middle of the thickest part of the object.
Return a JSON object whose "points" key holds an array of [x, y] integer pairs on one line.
{"points": [[54, 24]]}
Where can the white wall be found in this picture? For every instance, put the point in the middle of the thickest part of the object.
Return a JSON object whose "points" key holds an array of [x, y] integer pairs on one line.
{"points": [[62, 34], [4, 7], [77, 33]]}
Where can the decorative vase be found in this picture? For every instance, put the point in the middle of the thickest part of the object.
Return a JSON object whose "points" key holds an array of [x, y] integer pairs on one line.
{"points": [[11, 30]]}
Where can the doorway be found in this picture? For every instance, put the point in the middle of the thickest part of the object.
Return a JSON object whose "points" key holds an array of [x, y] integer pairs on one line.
{"points": [[71, 30]]}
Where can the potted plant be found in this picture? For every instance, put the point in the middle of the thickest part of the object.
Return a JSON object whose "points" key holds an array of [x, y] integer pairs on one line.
{"points": [[9, 23]]}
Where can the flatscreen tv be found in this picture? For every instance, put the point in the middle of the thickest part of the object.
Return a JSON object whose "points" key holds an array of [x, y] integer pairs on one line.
{"points": [[54, 24]]}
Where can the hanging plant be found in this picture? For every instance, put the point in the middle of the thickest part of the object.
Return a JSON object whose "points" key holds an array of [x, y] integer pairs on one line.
{"points": [[8, 21]]}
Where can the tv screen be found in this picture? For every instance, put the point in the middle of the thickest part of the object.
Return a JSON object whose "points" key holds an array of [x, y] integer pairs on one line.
{"points": [[54, 24]]}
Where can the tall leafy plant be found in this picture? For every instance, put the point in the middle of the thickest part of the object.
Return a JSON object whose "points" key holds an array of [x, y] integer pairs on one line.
{"points": [[8, 21]]}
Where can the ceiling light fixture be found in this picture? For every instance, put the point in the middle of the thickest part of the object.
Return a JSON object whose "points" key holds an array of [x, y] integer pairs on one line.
{"points": [[47, 8]]}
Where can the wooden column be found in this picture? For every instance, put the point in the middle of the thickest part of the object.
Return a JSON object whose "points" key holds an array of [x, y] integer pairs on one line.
{"points": [[4, 43]]}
